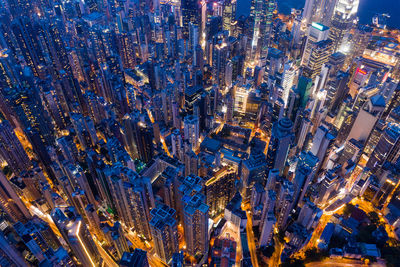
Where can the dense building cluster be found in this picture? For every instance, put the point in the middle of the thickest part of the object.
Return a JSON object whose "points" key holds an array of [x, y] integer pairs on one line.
{"points": [[196, 133]]}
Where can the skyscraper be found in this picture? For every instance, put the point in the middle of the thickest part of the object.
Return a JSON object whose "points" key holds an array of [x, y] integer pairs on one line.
{"points": [[11, 149], [195, 223], [163, 228], [304, 175], [136, 259], [343, 17], [387, 148], [191, 130], [10, 202], [317, 32], [76, 234], [280, 143], [190, 14], [132, 197]]}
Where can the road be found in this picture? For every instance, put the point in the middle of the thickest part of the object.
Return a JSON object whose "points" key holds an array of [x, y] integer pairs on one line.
{"points": [[107, 260], [276, 256], [154, 261], [367, 207], [343, 262], [325, 218], [250, 239]]}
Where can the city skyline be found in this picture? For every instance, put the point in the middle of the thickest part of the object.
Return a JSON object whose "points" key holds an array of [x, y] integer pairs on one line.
{"points": [[183, 133]]}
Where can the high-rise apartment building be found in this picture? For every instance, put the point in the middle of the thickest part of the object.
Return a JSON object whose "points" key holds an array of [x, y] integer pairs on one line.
{"points": [[163, 227]]}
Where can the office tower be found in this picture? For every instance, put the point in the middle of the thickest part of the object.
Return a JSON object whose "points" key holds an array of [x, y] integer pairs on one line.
{"points": [[337, 90], [136, 259], [139, 138], [312, 11], [309, 214], [327, 186], [266, 29], [318, 11], [320, 52], [190, 14], [342, 21], [219, 59], [288, 77], [327, 10], [11, 149], [163, 227], [361, 38], [322, 142], [253, 170], [388, 88], [304, 87], [77, 236], [306, 168], [280, 143], [329, 71], [193, 36], [351, 151], [305, 127], [11, 203], [284, 204], [374, 137], [274, 61], [393, 102], [261, 14], [366, 118], [229, 16], [387, 148], [267, 220], [386, 190], [317, 32], [195, 224], [268, 229]]}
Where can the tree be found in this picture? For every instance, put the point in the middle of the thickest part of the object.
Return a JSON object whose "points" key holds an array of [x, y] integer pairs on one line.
{"points": [[314, 254], [365, 234], [268, 251], [281, 236], [348, 209], [337, 241], [293, 263], [391, 256], [374, 218]]}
